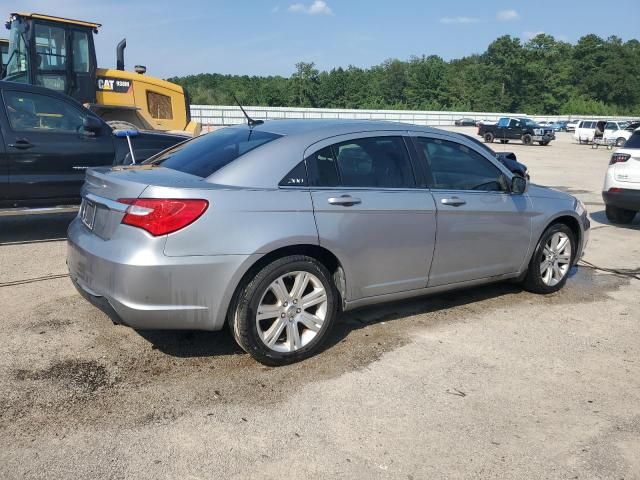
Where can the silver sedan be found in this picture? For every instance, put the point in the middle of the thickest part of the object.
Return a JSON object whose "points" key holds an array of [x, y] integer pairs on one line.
{"points": [[276, 228]]}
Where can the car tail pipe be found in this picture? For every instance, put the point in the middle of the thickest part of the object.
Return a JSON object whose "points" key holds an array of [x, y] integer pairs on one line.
{"points": [[120, 54]]}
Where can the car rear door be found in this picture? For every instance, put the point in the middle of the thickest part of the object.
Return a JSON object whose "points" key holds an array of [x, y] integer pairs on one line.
{"points": [[483, 230], [371, 212], [47, 148]]}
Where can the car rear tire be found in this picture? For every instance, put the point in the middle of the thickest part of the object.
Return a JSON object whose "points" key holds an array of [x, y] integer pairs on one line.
{"points": [[488, 137], [621, 141], [551, 261], [285, 313], [619, 215], [527, 139]]}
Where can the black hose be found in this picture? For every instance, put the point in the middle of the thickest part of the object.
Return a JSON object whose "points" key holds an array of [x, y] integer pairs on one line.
{"points": [[623, 273], [13, 283]]}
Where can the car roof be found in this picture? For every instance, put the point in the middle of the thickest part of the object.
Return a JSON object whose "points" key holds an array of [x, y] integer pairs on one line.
{"points": [[324, 128], [265, 166]]}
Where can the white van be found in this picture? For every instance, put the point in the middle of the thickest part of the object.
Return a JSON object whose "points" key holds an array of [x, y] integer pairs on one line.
{"points": [[586, 130]]}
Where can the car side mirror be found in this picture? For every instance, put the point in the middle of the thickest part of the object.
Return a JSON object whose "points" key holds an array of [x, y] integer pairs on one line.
{"points": [[92, 125], [519, 185]]}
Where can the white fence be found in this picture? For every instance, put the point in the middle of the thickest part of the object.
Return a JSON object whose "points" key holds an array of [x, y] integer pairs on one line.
{"points": [[220, 116]]}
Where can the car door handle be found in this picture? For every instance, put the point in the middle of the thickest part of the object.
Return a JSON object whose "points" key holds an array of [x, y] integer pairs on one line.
{"points": [[344, 200], [453, 201], [22, 143]]}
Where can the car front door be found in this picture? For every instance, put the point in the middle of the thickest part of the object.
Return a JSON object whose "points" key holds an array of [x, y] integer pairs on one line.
{"points": [[370, 211], [4, 170], [483, 230], [48, 149], [515, 129]]}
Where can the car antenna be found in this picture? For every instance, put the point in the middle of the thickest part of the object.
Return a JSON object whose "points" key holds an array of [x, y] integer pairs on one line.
{"points": [[250, 121]]}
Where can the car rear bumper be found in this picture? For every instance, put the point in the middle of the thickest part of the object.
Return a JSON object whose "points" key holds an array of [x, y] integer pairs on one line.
{"points": [[155, 291], [625, 198]]}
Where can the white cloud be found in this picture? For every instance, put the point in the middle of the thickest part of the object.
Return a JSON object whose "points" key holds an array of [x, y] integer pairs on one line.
{"points": [[448, 20], [318, 7], [507, 15]]}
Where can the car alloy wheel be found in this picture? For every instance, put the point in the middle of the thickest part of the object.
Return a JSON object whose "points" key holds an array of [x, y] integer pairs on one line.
{"points": [[291, 311], [284, 312], [556, 259]]}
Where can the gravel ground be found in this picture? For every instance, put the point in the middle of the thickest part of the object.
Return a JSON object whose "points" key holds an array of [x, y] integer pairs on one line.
{"points": [[491, 382]]}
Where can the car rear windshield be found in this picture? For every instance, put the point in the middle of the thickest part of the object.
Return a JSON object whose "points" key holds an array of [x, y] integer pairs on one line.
{"points": [[634, 141], [208, 153]]}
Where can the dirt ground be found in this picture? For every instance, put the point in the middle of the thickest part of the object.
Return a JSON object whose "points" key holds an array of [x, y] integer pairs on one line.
{"points": [[491, 382]]}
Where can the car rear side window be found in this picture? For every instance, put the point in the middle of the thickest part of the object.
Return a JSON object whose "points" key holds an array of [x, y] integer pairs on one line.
{"points": [[373, 162], [634, 141], [208, 153], [297, 177]]}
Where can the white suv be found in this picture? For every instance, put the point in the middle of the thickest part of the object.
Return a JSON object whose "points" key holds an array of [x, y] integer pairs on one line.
{"points": [[621, 191], [618, 132]]}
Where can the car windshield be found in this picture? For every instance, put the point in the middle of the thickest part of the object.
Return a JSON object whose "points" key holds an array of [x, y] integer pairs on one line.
{"points": [[208, 153], [634, 141]]}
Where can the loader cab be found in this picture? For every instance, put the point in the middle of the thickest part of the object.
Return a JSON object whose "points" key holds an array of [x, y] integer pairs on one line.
{"points": [[53, 52], [4, 54]]}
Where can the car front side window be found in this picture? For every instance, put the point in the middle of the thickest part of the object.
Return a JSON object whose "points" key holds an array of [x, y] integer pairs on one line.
{"points": [[32, 112], [454, 166]]}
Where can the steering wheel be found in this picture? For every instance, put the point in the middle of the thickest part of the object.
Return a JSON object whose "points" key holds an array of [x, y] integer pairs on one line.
{"points": [[480, 187]]}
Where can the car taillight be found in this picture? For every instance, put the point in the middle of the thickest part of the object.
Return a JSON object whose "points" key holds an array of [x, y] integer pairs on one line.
{"points": [[619, 158], [160, 216], [615, 190]]}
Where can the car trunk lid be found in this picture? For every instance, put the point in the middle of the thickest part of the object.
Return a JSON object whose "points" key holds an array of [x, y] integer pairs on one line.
{"points": [[101, 211]]}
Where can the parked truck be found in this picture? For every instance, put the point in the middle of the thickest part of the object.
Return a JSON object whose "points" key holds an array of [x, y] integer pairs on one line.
{"points": [[48, 140], [514, 128]]}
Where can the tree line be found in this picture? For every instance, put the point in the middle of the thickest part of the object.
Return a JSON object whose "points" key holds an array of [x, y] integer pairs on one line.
{"points": [[540, 76]]}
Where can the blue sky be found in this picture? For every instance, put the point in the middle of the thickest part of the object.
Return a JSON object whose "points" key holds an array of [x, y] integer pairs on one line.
{"points": [[269, 36]]}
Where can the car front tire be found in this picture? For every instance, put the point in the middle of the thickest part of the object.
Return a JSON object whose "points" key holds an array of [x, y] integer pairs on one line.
{"points": [[620, 216], [285, 313], [551, 261], [527, 139]]}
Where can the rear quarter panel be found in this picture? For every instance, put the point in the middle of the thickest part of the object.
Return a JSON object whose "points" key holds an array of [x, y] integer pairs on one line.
{"points": [[243, 222]]}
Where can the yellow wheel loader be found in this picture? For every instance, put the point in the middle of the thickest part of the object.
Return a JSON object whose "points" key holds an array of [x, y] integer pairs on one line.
{"points": [[59, 53]]}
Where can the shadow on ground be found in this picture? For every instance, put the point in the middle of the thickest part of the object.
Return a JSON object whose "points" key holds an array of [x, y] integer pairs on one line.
{"points": [[186, 344], [34, 228], [601, 217]]}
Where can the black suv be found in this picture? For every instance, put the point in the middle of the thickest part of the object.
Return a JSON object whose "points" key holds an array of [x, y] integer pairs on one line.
{"points": [[48, 140]]}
